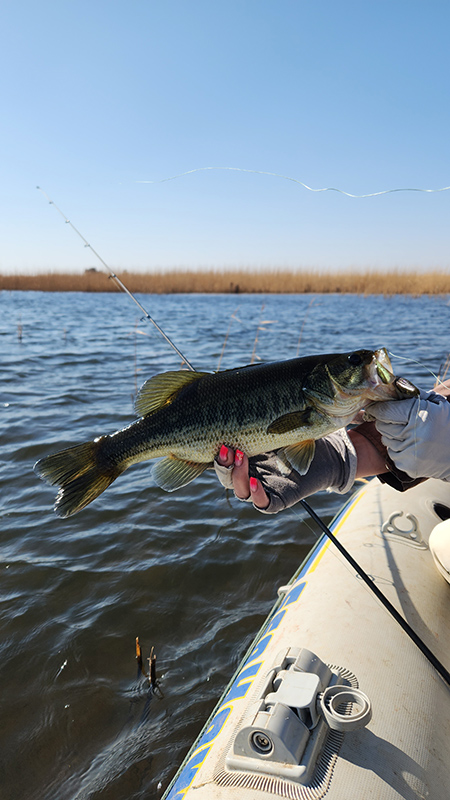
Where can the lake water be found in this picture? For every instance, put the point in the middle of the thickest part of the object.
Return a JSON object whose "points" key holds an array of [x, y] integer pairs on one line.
{"points": [[193, 573]]}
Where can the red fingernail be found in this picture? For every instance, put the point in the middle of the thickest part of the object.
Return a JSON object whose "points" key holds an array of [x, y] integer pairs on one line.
{"points": [[223, 452], [238, 456], [253, 484]]}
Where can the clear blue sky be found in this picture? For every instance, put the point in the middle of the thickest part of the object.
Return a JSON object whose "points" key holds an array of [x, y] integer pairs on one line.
{"points": [[97, 96]]}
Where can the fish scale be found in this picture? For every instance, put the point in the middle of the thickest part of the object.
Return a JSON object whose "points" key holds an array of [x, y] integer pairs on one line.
{"points": [[186, 416]]}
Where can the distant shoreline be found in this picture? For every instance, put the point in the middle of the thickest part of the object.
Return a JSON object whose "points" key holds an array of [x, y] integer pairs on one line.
{"points": [[237, 282]]}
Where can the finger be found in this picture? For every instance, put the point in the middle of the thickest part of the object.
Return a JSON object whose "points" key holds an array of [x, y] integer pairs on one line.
{"points": [[241, 481], [390, 431], [394, 445], [226, 456], [398, 411], [259, 496], [443, 387]]}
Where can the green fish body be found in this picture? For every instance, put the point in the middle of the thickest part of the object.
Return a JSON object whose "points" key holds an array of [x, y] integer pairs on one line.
{"points": [[186, 416]]}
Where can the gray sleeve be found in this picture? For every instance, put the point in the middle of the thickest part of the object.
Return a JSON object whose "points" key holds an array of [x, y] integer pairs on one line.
{"points": [[333, 467]]}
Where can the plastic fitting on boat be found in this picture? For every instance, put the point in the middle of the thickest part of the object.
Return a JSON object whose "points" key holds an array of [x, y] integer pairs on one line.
{"points": [[334, 705], [301, 703]]}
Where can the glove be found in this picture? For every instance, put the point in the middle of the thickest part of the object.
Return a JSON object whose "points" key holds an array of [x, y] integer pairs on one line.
{"points": [[416, 434], [333, 467]]}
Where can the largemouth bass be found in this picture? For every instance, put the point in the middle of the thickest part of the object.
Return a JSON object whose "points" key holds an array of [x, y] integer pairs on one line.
{"points": [[187, 416]]}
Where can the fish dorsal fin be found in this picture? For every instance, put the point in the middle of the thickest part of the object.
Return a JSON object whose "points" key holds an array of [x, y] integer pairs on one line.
{"points": [[289, 422], [172, 473], [300, 455], [162, 389]]}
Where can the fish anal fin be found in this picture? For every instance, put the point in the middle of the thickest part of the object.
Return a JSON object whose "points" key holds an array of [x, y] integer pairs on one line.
{"points": [[162, 389], [290, 422], [172, 473], [300, 455]]}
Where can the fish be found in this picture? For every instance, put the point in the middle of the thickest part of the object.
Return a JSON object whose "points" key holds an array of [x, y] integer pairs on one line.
{"points": [[186, 416]]}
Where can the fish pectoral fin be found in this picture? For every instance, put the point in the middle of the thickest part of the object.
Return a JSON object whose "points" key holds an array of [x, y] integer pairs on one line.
{"points": [[162, 389], [300, 455], [289, 422], [172, 473]]}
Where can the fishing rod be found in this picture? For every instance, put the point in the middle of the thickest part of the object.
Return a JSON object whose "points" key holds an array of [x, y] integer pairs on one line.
{"points": [[439, 667], [118, 282], [442, 671]]}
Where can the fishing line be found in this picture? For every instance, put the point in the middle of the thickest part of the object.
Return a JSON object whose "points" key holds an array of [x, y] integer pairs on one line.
{"points": [[295, 180], [415, 361], [118, 282], [354, 564]]}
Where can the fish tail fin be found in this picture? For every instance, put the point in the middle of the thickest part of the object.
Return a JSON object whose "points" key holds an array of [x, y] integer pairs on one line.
{"points": [[82, 474]]}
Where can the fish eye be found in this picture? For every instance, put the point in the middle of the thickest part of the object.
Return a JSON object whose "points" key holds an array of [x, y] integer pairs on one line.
{"points": [[354, 359]]}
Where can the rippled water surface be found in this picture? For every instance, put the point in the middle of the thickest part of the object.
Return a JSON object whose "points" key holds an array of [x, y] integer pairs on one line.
{"points": [[193, 573]]}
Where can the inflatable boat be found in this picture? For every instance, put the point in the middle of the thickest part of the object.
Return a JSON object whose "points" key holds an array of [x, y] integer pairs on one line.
{"points": [[334, 699]]}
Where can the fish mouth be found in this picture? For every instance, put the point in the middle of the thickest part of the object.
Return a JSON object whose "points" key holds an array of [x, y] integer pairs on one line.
{"points": [[380, 376], [384, 385], [383, 366]]}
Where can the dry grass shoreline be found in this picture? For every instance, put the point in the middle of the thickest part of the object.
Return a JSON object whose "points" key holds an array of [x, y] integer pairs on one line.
{"points": [[237, 282]]}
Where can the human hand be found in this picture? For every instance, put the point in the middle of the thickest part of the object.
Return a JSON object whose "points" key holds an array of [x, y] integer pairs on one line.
{"points": [[269, 482], [416, 433], [233, 473]]}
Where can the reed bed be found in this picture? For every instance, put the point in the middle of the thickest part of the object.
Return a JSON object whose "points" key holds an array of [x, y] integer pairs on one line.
{"points": [[237, 282]]}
